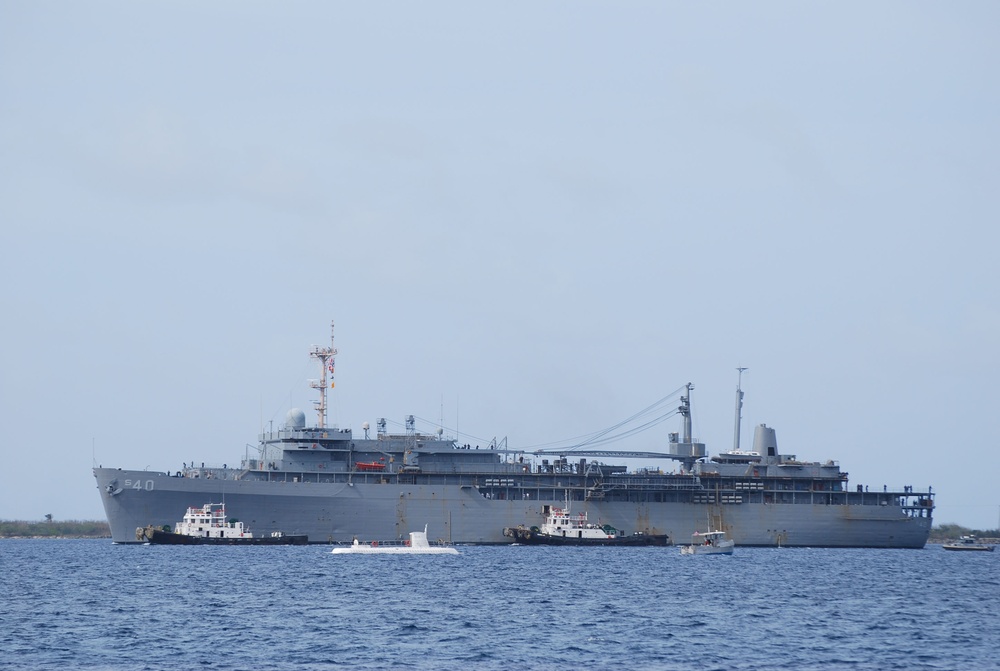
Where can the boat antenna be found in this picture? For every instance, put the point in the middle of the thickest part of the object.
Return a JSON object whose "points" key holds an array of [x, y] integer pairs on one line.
{"points": [[325, 356], [739, 409]]}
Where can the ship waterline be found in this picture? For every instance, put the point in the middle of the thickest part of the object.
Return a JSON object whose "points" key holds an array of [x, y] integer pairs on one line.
{"points": [[326, 483]]}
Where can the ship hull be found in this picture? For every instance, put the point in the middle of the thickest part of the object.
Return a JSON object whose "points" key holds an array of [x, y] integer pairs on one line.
{"points": [[329, 512]]}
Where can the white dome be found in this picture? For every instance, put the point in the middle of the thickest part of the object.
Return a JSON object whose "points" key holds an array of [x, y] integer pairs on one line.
{"points": [[295, 419]]}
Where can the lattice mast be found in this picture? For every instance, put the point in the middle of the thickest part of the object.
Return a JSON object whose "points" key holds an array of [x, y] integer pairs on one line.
{"points": [[326, 357]]}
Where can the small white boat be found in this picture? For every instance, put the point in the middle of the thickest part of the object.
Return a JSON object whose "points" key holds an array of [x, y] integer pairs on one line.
{"points": [[968, 543], [709, 543], [416, 545]]}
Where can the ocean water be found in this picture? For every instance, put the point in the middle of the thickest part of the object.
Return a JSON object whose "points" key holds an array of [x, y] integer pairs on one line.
{"points": [[85, 604]]}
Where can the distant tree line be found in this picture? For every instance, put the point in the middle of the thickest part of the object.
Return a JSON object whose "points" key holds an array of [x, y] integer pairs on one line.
{"points": [[67, 529], [947, 532]]}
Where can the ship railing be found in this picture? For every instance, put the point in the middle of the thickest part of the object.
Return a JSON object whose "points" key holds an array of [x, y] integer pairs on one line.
{"points": [[211, 472], [684, 485], [608, 487], [305, 435], [903, 490]]}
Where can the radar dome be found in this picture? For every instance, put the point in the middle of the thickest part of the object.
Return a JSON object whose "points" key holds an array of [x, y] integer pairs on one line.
{"points": [[295, 419]]}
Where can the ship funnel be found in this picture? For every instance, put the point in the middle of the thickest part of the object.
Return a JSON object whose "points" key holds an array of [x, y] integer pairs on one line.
{"points": [[764, 441]]}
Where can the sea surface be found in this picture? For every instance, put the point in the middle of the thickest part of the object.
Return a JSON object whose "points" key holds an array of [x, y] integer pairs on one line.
{"points": [[90, 604]]}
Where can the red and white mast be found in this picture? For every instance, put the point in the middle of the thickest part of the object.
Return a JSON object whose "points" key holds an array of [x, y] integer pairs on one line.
{"points": [[325, 356]]}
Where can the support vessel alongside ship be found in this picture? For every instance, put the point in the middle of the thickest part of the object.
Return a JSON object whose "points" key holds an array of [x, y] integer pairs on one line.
{"points": [[207, 525], [331, 485], [561, 527]]}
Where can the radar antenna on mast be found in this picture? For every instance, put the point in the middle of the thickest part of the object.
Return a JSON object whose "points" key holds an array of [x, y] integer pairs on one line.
{"points": [[325, 356]]}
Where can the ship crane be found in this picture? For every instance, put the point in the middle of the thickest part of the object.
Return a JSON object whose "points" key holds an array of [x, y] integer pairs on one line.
{"points": [[686, 452]]}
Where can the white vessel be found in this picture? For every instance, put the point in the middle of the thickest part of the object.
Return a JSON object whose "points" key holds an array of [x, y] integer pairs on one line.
{"points": [[417, 545], [968, 543], [709, 543]]}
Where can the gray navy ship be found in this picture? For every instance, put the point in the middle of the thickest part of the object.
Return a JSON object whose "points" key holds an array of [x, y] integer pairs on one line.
{"points": [[333, 486]]}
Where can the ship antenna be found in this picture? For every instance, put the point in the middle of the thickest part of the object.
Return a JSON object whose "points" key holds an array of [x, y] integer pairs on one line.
{"points": [[325, 356], [739, 409]]}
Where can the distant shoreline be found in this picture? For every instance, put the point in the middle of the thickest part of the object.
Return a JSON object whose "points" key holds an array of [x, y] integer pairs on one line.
{"points": [[70, 529]]}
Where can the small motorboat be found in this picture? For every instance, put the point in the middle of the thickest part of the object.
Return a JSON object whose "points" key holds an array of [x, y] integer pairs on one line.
{"points": [[709, 543], [968, 543], [416, 545]]}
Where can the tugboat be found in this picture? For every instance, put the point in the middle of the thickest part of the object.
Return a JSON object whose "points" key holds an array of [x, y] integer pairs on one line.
{"points": [[416, 545], [968, 543], [563, 528], [207, 525], [709, 543]]}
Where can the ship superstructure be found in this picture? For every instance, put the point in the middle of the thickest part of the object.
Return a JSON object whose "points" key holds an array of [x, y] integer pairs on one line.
{"points": [[332, 485]]}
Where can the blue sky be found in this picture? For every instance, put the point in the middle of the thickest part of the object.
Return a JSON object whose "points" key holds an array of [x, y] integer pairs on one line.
{"points": [[528, 220]]}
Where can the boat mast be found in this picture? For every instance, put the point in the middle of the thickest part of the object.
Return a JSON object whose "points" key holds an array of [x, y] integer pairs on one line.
{"points": [[739, 410], [325, 356]]}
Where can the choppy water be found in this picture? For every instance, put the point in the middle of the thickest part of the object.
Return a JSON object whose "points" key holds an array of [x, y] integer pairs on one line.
{"points": [[94, 605]]}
